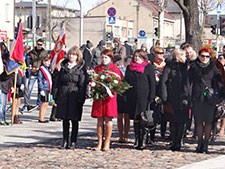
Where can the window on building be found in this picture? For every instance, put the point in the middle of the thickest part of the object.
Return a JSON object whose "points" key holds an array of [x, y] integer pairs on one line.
{"points": [[130, 32], [124, 32], [117, 31], [108, 28]]}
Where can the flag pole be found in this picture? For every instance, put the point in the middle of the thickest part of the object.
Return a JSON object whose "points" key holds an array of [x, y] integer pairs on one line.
{"points": [[14, 97]]}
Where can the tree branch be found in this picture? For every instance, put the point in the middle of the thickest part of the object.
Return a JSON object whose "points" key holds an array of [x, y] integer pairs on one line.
{"points": [[182, 6]]}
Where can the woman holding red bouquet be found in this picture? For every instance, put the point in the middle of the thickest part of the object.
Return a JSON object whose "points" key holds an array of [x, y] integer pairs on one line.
{"points": [[105, 109]]}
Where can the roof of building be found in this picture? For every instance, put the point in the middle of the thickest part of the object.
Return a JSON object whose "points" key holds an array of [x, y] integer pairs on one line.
{"points": [[147, 3], [26, 4]]}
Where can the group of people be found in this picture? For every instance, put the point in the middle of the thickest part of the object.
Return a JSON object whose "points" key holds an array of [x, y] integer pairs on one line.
{"points": [[173, 87]]}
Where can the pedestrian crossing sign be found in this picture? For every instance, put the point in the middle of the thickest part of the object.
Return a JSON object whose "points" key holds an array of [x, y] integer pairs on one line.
{"points": [[112, 20]]}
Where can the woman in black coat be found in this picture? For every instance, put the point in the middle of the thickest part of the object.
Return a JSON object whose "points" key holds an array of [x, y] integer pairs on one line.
{"points": [[71, 95], [140, 75], [174, 88], [204, 74]]}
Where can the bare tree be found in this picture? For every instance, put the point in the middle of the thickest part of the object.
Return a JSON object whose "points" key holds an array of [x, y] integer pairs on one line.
{"points": [[57, 22], [191, 18]]}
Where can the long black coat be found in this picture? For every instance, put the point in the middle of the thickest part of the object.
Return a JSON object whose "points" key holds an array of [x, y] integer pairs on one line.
{"points": [[71, 85], [142, 91], [174, 89], [202, 109]]}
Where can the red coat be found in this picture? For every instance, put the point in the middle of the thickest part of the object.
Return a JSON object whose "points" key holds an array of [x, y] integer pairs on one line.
{"points": [[108, 106]]}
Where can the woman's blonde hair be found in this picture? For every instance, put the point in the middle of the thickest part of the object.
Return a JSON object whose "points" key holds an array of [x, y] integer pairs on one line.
{"points": [[76, 51], [178, 54]]}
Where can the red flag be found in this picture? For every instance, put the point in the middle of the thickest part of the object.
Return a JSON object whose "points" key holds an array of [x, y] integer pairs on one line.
{"points": [[16, 59], [57, 53]]}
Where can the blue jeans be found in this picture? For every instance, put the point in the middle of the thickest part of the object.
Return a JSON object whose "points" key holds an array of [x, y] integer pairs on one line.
{"points": [[3, 100], [31, 82]]}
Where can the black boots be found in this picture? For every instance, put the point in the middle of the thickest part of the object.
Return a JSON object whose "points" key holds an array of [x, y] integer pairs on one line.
{"points": [[202, 146], [205, 147], [199, 148], [136, 134], [140, 136]]}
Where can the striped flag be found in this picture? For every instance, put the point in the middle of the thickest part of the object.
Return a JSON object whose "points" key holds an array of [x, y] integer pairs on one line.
{"points": [[16, 59], [57, 53]]}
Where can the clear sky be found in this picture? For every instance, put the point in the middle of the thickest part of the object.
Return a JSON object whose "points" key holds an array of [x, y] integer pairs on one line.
{"points": [[86, 4]]}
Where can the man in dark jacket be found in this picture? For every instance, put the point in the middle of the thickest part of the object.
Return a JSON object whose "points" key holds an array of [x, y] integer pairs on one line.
{"points": [[36, 56], [129, 53], [87, 55], [96, 53]]}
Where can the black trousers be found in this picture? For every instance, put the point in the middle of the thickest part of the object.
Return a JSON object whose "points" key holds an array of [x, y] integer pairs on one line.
{"points": [[66, 129]]}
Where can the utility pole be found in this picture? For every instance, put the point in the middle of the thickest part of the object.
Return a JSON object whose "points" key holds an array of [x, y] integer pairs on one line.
{"points": [[161, 22], [81, 23], [137, 10], [34, 21], [49, 22]]}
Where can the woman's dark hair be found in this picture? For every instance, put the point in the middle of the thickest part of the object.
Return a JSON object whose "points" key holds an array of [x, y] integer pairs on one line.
{"points": [[108, 52], [142, 53]]}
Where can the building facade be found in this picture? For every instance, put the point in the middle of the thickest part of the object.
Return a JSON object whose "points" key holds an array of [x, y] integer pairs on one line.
{"points": [[7, 21], [143, 14]]}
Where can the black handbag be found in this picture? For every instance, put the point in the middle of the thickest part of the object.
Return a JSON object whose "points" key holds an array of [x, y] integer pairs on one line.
{"points": [[211, 95], [147, 119]]}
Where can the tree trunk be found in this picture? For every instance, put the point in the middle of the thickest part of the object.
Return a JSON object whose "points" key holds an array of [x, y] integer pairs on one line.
{"points": [[191, 19]]}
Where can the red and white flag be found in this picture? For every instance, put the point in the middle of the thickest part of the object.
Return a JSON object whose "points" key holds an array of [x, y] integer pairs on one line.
{"points": [[57, 53]]}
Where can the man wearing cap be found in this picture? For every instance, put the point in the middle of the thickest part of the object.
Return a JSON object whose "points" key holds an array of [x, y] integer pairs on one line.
{"points": [[87, 55], [36, 56]]}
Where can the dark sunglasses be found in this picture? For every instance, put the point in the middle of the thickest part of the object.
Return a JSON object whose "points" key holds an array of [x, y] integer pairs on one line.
{"points": [[205, 56], [39, 44], [220, 58], [160, 53]]}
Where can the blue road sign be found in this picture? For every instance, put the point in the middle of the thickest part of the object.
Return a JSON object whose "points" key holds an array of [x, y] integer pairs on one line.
{"points": [[112, 20], [142, 33], [218, 8], [111, 11]]}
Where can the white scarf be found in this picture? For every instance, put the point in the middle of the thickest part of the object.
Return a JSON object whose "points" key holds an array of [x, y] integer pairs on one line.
{"points": [[71, 65]]}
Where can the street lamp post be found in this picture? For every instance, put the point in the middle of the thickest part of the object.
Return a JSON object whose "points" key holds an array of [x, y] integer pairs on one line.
{"points": [[81, 23], [34, 21]]}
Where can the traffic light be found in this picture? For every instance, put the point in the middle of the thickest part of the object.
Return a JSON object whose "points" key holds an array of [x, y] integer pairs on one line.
{"points": [[30, 22], [213, 31], [222, 26], [109, 36], [156, 32]]}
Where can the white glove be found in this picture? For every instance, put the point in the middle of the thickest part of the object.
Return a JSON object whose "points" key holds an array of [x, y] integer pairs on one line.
{"points": [[0, 92], [22, 87], [42, 93], [12, 90]]}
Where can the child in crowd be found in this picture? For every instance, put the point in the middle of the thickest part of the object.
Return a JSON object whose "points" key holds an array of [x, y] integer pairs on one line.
{"points": [[44, 85]]}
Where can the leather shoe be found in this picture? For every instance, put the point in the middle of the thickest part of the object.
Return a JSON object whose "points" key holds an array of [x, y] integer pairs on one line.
{"points": [[40, 121], [73, 145], [64, 145]]}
